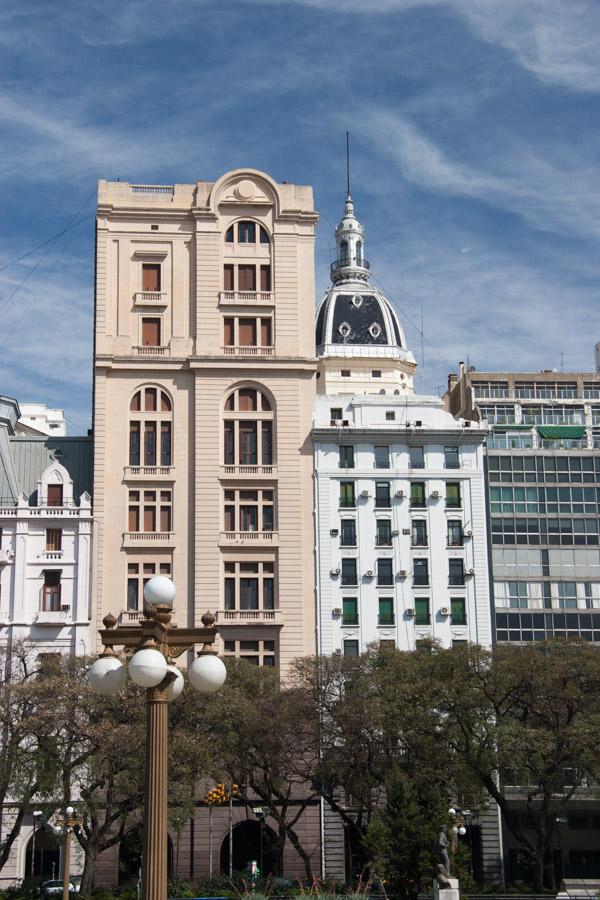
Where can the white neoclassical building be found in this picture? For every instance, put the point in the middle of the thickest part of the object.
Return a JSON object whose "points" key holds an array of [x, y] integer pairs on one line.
{"points": [[45, 538], [402, 552]]}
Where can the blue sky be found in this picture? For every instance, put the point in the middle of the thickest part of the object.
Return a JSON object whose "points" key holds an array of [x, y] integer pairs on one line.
{"points": [[475, 155]]}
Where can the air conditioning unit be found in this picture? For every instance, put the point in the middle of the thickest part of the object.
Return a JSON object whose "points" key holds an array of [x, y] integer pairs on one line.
{"points": [[335, 571], [435, 494], [333, 532], [345, 423], [336, 611], [444, 610], [369, 573], [410, 611], [335, 423], [395, 532], [467, 424], [400, 494], [471, 572], [402, 573], [468, 534], [418, 423], [364, 493], [406, 531]]}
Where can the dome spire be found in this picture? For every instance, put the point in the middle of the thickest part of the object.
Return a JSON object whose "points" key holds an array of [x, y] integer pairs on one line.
{"points": [[350, 264]]}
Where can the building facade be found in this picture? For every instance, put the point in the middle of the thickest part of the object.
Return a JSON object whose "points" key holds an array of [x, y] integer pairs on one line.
{"points": [[543, 484], [204, 390], [400, 501]]}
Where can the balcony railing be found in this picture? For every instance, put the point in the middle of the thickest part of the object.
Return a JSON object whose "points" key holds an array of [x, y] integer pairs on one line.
{"points": [[53, 616], [269, 616], [249, 471], [350, 262], [53, 554], [151, 298], [151, 350], [252, 298], [137, 538], [166, 473], [249, 537], [248, 351]]}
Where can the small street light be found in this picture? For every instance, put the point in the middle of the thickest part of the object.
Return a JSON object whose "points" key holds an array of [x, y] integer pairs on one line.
{"points": [[37, 814], [462, 826], [155, 643], [69, 821], [261, 813]]}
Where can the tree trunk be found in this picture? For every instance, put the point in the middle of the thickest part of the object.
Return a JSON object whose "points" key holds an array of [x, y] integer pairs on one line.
{"points": [[538, 872], [89, 867], [300, 851], [279, 847]]}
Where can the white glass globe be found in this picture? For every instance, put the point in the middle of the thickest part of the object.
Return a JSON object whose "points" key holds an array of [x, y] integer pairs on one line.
{"points": [[69, 810], [176, 687], [462, 830], [147, 667], [207, 673], [451, 811], [455, 829], [107, 675], [159, 590]]}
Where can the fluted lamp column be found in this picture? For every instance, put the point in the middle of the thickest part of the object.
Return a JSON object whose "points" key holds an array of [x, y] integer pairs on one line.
{"points": [[156, 642]]}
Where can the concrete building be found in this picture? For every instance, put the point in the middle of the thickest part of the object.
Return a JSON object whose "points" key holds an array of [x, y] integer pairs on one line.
{"points": [[543, 466], [400, 501], [38, 418], [204, 388], [45, 538]]}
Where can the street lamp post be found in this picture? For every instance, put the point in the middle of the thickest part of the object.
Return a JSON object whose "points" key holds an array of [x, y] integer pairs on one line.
{"points": [[37, 813], [155, 642]]}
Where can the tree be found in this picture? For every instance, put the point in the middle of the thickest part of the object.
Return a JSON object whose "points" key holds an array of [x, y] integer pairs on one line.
{"points": [[525, 721]]}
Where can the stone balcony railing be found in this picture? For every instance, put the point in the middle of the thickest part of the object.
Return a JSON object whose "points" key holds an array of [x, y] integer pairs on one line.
{"points": [[251, 538], [249, 351], [149, 538], [156, 473], [269, 472], [53, 616], [245, 298], [252, 616], [150, 298], [151, 350]]}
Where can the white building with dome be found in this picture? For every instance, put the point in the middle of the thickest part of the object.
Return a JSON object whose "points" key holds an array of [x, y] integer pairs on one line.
{"points": [[402, 550]]}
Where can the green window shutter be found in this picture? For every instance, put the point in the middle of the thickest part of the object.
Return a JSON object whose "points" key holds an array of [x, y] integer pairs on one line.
{"points": [[550, 432], [459, 610], [386, 611], [350, 611], [452, 494], [422, 611]]}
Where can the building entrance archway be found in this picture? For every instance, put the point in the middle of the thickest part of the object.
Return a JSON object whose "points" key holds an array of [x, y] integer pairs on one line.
{"points": [[46, 862], [246, 848]]}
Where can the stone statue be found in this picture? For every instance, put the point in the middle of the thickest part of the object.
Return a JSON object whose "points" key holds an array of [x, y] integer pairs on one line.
{"points": [[441, 849]]}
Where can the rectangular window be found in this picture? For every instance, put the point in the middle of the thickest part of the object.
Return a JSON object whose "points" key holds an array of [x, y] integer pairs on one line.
{"points": [[453, 500], [376, 373], [229, 332], [151, 332], [165, 443], [53, 540], [456, 571], [348, 533], [246, 233], [229, 434], [151, 276], [382, 457], [149, 516], [266, 333], [349, 571], [451, 459], [247, 278], [249, 585], [266, 431], [228, 279], [420, 572], [134, 444], [350, 648], [265, 278], [383, 536], [350, 611], [386, 611], [417, 494], [385, 574], [455, 533], [55, 495], [132, 591], [346, 457], [458, 609], [335, 413], [390, 415], [382, 495], [134, 511], [230, 593], [150, 443], [347, 498], [247, 332], [567, 595], [247, 431], [417, 457], [419, 533], [345, 373], [248, 593], [422, 616], [51, 592]]}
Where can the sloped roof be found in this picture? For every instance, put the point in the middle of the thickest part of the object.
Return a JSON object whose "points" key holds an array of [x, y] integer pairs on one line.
{"points": [[32, 455]]}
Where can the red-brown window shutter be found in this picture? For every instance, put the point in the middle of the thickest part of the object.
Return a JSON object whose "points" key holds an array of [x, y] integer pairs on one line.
{"points": [[265, 278], [55, 494], [151, 276], [247, 278], [151, 332], [266, 338], [228, 284], [247, 332]]}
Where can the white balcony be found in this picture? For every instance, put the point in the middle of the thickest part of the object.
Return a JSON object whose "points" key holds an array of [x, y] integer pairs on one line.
{"points": [[249, 351], [151, 350], [249, 616], [150, 298], [262, 472], [155, 473], [246, 298], [148, 538], [53, 555], [249, 538], [53, 616]]}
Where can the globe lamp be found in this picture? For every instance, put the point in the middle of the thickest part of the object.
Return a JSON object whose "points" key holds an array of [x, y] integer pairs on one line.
{"points": [[207, 673], [147, 667], [159, 591], [175, 688], [107, 675]]}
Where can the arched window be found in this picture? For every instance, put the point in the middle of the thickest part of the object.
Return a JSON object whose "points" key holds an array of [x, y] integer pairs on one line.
{"points": [[150, 428], [344, 251], [248, 429], [247, 232], [359, 253]]}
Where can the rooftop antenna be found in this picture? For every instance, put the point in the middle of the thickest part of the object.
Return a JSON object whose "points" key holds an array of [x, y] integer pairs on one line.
{"points": [[347, 163], [562, 362], [422, 347]]}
